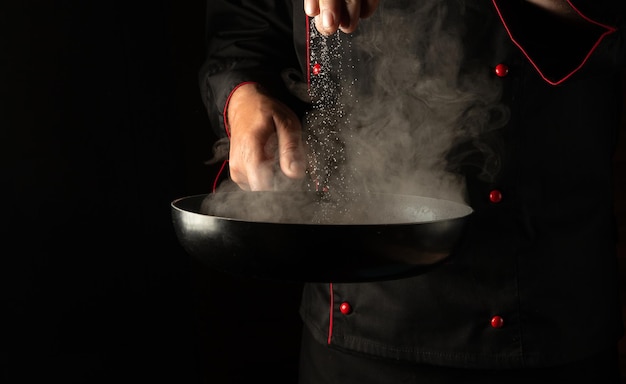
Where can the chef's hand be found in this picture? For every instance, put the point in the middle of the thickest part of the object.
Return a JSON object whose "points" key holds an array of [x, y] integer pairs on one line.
{"points": [[331, 15], [265, 140], [557, 7]]}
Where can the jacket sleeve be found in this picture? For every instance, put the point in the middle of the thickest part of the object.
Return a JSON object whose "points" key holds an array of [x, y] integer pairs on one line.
{"points": [[247, 41], [559, 47]]}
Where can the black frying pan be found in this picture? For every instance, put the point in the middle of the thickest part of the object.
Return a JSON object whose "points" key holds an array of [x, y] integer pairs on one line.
{"points": [[307, 237]]}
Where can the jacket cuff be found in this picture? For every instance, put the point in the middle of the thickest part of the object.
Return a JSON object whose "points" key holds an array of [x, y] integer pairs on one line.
{"points": [[216, 91], [556, 47]]}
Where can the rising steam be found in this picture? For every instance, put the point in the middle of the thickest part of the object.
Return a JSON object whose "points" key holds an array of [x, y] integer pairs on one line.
{"points": [[410, 100]]}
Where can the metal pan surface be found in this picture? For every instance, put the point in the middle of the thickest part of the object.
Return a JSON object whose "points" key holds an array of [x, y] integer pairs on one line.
{"points": [[306, 237]]}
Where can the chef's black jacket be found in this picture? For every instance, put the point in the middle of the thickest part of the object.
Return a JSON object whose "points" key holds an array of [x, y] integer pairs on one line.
{"points": [[534, 281]]}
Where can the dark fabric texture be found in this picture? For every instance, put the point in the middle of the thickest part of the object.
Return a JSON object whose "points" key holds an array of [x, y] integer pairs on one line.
{"points": [[321, 364]]}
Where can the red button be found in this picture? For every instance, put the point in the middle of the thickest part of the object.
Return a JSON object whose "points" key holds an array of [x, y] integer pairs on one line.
{"points": [[317, 68], [345, 308], [495, 196], [497, 322], [502, 70]]}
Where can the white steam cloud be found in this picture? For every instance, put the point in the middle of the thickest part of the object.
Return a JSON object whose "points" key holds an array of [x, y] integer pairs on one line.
{"points": [[408, 98]]}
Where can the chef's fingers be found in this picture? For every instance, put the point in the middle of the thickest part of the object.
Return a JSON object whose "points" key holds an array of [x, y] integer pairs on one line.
{"points": [[254, 176], [290, 148], [328, 16], [257, 161], [263, 132], [261, 177], [351, 12], [312, 7], [356, 9], [251, 157], [261, 171], [251, 172], [331, 15]]}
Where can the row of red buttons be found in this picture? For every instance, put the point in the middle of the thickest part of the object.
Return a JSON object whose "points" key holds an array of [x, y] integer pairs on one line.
{"points": [[496, 321], [495, 196]]}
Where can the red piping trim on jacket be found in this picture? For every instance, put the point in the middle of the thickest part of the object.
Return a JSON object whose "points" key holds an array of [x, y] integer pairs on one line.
{"points": [[609, 30], [308, 52], [219, 173], [331, 312]]}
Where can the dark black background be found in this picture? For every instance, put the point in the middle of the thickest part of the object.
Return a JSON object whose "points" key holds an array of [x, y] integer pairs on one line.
{"points": [[102, 126]]}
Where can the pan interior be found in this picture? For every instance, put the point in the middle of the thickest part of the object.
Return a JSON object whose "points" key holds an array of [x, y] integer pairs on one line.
{"points": [[319, 208]]}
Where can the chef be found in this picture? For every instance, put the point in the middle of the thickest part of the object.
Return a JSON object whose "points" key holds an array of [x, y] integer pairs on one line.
{"points": [[530, 293]]}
